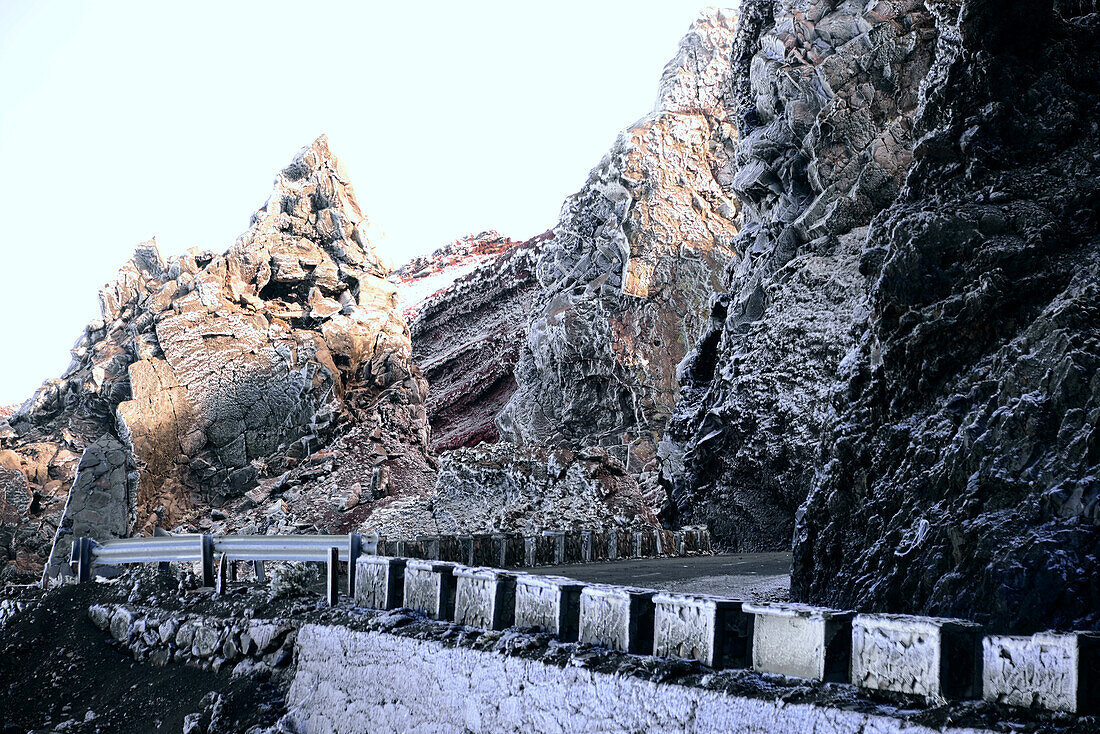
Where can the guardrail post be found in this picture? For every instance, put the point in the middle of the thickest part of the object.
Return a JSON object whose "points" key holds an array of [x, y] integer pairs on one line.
{"points": [[207, 560], [355, 548], [333, 573], [223, 575], [82, 551], [258, 567]]}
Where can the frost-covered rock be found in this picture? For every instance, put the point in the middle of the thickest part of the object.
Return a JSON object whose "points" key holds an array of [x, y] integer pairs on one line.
{"points": [[826, 94], [468, 306], [628, 274], [508, 488], [960, 475]]}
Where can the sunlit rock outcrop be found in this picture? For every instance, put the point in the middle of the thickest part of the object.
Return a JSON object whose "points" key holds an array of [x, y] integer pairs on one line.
{"points": [[216, 371], [629, 272]]}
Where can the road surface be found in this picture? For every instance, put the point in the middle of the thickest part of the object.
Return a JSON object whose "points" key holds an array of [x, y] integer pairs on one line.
{"points": [[752, 576]]}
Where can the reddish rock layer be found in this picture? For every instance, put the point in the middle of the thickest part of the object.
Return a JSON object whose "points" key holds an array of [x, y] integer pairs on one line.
{"points": [[468, 305]]}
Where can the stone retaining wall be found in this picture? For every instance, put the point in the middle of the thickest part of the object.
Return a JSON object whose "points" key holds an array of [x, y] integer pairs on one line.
{"points": [[157, 637], [345, 682]]}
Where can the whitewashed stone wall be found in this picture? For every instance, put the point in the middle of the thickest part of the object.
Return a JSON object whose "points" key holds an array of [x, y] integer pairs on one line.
{"points": [[346, 683]]}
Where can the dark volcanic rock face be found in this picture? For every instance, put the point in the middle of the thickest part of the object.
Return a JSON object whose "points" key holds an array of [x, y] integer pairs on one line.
{"points": [[827, 93], [627, 278], [961, 476], [468, 306]]}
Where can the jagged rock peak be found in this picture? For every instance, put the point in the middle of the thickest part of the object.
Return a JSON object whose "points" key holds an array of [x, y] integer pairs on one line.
{"points": [[628, 275], [215, 372], [313, 198], [697, 79]]}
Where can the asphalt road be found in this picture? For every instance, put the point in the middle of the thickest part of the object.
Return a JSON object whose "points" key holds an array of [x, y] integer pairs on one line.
{"points": [[752, 576]]}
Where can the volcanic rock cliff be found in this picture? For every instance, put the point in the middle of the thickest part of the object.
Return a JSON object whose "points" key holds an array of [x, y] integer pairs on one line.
{"points": [[468, 306], [626, 279], [826, 93], [961, 473], [841, 285], [909, 340]]}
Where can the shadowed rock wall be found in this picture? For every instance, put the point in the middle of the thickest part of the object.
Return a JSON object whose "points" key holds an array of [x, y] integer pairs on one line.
{"points": [[960, 474], [466, 337], [826, 94]]}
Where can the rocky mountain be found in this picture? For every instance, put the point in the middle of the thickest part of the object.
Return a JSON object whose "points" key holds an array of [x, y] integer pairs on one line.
{"points": [[960, 475], [207, 373], [826, 94], [841, 285], [626, 280], [468, 305], [903, 366]]}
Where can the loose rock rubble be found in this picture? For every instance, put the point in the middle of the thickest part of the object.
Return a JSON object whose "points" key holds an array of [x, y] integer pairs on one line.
{"points": [[509, 488]]}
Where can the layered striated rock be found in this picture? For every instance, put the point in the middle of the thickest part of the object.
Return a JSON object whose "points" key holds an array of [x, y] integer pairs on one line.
{"points": [[508, 488], [217, 370], [469, 305], [827, 93], [961, 473], [627, 278]]}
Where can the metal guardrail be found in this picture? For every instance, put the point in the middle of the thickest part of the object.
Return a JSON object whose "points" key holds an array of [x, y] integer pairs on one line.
{"points": [[330, 549]]}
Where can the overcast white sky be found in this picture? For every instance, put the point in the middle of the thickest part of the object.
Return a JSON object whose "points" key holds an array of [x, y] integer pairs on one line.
{"points": [[124, 120]]}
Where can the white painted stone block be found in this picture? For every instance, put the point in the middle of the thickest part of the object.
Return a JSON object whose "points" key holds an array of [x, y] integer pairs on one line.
{"points": [[549, 604], [379, 582], [709, 629], [430, 588], [932, 657], [618, 618], [1048, 670], [484, 597], [801, 641]]}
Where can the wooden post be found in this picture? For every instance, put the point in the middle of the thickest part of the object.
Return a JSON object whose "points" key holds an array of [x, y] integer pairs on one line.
{"points": [[355, 548], [258, 567], [333, 573], [207, 560], [232, 570]]}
